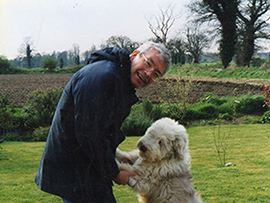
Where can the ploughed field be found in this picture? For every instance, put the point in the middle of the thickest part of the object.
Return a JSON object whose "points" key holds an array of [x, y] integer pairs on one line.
{"points": [[168, 88]]}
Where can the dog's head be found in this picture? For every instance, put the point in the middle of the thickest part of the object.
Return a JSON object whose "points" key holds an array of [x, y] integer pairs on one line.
{"points": [[164, 139]]}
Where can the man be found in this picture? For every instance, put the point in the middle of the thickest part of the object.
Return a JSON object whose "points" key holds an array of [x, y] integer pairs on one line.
{"points": [[78, 162]]}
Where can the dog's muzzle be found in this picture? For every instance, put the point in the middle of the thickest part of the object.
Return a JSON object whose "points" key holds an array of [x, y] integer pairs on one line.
{"points": [[143, 148]]}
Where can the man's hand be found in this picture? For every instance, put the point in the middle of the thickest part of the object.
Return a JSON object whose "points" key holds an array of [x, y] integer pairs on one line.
{"points": [[123, 177]]}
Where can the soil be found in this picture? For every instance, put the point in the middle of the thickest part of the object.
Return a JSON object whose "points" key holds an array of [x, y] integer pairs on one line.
{"points": [[170, 88]]}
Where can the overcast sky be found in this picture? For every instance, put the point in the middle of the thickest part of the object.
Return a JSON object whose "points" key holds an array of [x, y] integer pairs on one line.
{"points": [[55, 25]]}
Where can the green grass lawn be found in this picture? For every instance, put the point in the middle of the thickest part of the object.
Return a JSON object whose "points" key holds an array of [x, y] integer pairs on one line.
{"points": [[246, 180]]}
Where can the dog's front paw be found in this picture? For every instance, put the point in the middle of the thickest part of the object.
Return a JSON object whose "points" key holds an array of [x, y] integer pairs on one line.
{"points": [[121, 156], [132, 182]]}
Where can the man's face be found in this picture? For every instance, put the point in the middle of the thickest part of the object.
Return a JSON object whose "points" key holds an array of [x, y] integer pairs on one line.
{"points": [[145, 68]]}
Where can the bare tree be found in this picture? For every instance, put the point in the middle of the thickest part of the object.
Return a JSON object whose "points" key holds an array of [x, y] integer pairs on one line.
{"points": [[252, 25], [163, 23], [25, 51], [225, 13], [176, 48], [197, 40], [121, 42], [76, 52], [87, 53]]}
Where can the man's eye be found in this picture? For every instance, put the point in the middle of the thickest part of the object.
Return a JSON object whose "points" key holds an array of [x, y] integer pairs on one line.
{"points": [[156, 74], [148, 64]]}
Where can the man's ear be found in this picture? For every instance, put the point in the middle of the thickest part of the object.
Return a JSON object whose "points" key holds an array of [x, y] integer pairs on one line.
{"points": [[134, 54]]}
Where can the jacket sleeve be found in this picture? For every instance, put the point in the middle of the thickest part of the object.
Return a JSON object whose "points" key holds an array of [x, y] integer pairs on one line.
{"points": [[97, 98]]}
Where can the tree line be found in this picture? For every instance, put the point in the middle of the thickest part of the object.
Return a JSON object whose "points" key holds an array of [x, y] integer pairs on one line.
{"points": [[235, 25]]}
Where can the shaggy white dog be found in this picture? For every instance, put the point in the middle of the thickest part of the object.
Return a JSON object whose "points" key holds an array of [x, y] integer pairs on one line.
{"points": [[162, 163]]}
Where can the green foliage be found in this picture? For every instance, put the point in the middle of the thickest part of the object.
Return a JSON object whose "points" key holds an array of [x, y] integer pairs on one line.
{"points": [[5, 65], [226, 116], [226, 108], [214, 70], [173, 111], [266, 117], [136, 124], [213, 99], [250, 104], [41, 107], [40, 134], [257, 62], [147, 107], [49, 63], [11, 121], [202, 111], [6, 121], [19, 124]]}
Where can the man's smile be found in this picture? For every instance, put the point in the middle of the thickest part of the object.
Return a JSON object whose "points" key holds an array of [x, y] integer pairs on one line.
{"points": [[141, 77]]}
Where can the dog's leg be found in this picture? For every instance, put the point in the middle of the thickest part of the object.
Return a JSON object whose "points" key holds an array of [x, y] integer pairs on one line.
{"points": [[127, 167], [134, 155], [126, 157], [122, 156]]}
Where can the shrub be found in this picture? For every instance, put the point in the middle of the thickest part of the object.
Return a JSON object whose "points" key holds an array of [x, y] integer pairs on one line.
{"points": [[40, 134], [11, 135], [226, 116], [147, 107], [136, 124], [11, 121], [266, 94], [266, 117], [213, 99], [49, 63], [208, 111], [193, 114], [41, 107], [173, 111], [202, 111], [157, 112], [250, 105], [6, 121], [226, 108], [5, 65]]}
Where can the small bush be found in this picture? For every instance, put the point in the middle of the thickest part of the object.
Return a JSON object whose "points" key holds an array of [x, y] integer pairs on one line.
{"points": [[136, 124], [226, 108], [213, 99], [5, 65], [41, 107], [173, 111], [226, 116], [40, 134], [7, 123], [49, 63], [11, 135], [147, 107], [157, 112], [202, 111], [209, 111], [266, 117], [250, 105]]}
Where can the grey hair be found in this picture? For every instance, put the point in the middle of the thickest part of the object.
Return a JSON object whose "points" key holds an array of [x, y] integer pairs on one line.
{"points": [[164, 52]]}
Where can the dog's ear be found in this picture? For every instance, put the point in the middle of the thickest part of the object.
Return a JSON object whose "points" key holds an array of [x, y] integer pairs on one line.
{"points": [[180, 147]]}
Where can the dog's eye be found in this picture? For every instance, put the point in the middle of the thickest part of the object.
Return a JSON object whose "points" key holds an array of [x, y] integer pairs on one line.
{"points": [[160, 142]]}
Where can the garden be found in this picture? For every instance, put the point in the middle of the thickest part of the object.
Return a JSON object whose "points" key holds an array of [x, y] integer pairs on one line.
{"points": [[229, 138]]}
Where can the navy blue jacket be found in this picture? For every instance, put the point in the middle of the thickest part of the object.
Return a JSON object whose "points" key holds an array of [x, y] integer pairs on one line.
{"points": [[78, 162]]}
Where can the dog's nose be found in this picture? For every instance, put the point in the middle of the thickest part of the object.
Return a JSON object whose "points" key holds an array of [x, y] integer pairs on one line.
{"points": [[143, 148]]}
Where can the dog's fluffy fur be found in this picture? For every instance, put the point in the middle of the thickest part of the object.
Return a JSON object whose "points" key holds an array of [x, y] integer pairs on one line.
{"points": [[162, 163]]}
